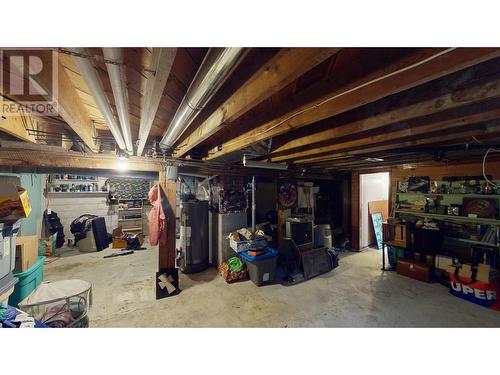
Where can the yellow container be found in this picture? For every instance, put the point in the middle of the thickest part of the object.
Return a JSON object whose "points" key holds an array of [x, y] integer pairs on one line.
{"points": [[14, 203]]}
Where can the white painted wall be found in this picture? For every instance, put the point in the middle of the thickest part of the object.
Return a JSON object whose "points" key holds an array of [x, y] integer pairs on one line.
{"points": [[68, 208], [373, 187]]}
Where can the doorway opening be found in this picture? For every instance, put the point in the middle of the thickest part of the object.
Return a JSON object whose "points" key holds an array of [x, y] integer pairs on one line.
{"points": [[374, 198]]}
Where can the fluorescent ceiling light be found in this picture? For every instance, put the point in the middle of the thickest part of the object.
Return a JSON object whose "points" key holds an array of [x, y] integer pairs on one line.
{"points": [[374, 159], [263, 164], [122, 165]]}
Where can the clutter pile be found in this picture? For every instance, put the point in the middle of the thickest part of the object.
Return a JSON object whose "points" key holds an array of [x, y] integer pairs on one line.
{"points": [[233, 270], [263, 264], [11, 317], [448, 231], [243, 240], [60, 304]]}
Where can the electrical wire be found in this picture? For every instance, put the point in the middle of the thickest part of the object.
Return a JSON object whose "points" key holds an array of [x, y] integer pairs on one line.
{"points": [[317, 105], [478, 141], [484, 166]]}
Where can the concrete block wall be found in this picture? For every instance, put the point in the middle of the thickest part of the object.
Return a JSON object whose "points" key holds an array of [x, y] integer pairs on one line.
{"points": [[69, 208]]}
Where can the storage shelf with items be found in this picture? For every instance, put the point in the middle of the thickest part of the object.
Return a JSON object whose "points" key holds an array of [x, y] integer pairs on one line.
{"points": [[467, 207], [465, 215], [68, 184], [131, 215]]}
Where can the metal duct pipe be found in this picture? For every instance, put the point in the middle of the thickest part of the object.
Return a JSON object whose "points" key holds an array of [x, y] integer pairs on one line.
{"points": [[118, 81], [215, 68], [89, 74]]}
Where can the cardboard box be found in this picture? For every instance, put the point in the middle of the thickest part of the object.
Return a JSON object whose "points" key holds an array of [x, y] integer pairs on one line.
{"points": [[483, 273], [14, 203], [415, 270], [26, 252], [465, 271], [118, 243], [443, 262], [51, 245]]}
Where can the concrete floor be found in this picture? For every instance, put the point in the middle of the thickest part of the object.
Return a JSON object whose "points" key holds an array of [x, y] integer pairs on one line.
{"points": [[356, 294]]}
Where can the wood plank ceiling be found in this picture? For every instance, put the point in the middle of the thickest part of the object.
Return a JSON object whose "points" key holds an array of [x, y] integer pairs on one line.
{"points": [[319, 109]]}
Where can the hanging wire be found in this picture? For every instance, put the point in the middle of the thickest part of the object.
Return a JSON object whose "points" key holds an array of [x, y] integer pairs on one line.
{"points": [[98, 58], [484, 166]]}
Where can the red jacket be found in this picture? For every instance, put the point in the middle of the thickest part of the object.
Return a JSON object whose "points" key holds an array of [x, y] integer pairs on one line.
{"points": [[157, 217]]}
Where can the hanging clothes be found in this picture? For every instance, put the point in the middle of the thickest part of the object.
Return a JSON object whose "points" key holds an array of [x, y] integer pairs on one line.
{"points": [[157, 217]]}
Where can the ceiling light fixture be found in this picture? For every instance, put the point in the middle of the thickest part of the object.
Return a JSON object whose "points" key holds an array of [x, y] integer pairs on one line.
{"points": [[374, 159], [263, 164], [122, 166]]}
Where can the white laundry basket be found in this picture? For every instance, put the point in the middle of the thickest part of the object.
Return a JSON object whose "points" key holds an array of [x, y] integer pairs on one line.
{"points": [[60, 304]]}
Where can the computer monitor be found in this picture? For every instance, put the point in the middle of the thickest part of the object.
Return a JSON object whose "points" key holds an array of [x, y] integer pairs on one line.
{"points": [[301, 231]]}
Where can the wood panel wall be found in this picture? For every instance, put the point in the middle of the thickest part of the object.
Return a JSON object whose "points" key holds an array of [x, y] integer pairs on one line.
{"points": [[355, 211]]}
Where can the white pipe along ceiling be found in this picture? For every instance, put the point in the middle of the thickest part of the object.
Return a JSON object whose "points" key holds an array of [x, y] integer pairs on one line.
{"points": [[89, 74], [118, 82], [215, 68]]}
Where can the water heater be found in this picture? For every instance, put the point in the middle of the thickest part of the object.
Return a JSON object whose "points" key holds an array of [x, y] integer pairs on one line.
{"points": [[194, 236]]}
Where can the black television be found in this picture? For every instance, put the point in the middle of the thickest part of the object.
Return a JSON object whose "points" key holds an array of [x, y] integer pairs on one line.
{"points": [[302, 233]]}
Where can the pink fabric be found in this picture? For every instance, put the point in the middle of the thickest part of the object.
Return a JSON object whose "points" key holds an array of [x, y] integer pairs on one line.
{"points": [[157, 218]]}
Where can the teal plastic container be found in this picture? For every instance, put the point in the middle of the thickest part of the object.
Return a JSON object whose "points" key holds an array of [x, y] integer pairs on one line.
{"points": [[28, 281]]}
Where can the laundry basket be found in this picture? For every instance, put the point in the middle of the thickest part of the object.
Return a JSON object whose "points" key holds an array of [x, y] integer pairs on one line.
{"points": [[60, 304]]}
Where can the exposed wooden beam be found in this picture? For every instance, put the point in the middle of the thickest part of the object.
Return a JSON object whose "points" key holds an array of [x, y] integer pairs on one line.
{"points": [[446, 102], [16, 123], [406, 73], [384, 164], [282, 69], [466, 133], [69, 104], [407, 131], [49, 156], [161, 63]]}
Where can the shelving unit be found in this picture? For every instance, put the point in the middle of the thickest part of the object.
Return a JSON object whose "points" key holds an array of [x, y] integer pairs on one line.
{"points": [[73, 186], [477, 220], [447, 199], [131, 224]]}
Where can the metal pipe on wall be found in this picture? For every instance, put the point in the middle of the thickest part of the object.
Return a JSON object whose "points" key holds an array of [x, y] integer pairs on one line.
{"points": [[89, 74], [254, 205], [215, 68], [118, 82]]}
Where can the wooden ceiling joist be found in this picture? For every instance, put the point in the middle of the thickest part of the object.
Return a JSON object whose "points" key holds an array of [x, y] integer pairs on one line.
{"points": [[69, 105], [17, 124], [284, 68], [44, 156], [408, 72], [452, 100], [406, 131], [465, 134], [161, 63]]}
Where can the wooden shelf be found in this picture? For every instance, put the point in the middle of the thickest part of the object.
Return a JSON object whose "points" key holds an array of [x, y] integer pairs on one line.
{"points": [[53, 181], [138, 218], [130, 209], [450, 217], [78, 193], [471, 242], [467, 195], [135, 229]]}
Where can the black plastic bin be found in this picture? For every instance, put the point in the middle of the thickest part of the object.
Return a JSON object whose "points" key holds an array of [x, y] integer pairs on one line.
{"points": [[261, 269]]}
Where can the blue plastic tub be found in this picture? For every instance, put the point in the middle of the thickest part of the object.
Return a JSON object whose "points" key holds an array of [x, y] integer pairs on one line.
{"points": [[262, 268], [28, 281], [271, 253]]}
